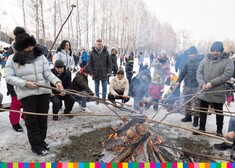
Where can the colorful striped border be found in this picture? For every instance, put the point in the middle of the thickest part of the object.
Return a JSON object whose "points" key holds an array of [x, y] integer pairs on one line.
{"points": [[116, 165]]}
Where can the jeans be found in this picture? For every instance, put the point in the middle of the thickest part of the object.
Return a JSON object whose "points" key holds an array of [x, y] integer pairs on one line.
{"points": [[231, 125], [81, 100], [97, 88]]}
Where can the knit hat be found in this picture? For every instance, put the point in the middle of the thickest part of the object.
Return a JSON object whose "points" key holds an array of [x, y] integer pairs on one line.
{"points": [[156, 79], [86, 70], [217, 46], [24, 40], [59, 63], [192, 50]]}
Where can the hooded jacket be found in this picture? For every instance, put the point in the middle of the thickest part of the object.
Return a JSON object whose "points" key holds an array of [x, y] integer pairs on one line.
{"points": [[217, 72], [100, 64], [189, 72], [37, 71], [117, 85]]}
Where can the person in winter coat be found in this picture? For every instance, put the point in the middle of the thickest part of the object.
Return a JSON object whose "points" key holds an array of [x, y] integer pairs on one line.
{"points": [[151, 58], [230, 136], [141, 61], [25, 69], [147, 68], [139, 88], [100, 66], [154, 93], [84, 58], [161, 65], [56, 97], [114, 62], [80, 83], [64, 53], [119, 87], [181, 60], [212, 74], [229, 93], [129, 67], [188, 74], [15, 103]]}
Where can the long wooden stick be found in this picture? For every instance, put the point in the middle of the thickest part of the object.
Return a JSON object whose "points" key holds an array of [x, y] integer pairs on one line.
{"points": [[73, 6]]}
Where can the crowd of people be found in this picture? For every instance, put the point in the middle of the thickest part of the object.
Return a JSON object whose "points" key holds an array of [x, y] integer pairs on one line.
{"points": [[198, 80]]}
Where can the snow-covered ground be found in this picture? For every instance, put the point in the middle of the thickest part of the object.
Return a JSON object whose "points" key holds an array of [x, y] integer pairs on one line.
{"points": [[15, 146]]}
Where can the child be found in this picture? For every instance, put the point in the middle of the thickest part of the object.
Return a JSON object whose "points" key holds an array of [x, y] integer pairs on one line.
{"points": [[154, 93], [229, 94], [168, 77]]}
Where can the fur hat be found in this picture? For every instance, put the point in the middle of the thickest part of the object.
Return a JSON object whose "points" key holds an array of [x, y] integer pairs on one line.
{"points": [[23, 41], [192, 50], [217, 46]]}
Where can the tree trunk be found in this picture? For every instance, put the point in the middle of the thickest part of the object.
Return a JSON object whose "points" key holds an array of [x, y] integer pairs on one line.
{"points": [[42, 21]]}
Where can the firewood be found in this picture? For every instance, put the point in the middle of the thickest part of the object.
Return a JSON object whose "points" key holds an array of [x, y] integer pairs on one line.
{"points": [[150, 154], [127, 152], [130, 133], [142, 129], [130, 124], [158, 154]]}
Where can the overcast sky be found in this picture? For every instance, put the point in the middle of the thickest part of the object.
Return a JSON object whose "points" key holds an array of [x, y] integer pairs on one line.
{"points": [[202, 18]]}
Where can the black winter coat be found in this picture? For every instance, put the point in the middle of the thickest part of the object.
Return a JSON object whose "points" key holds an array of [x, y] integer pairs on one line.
{"points": [[65, 78], [189, 72], [129, 69], [10, 90], [114, 61], [100, 65], [80, 83]]}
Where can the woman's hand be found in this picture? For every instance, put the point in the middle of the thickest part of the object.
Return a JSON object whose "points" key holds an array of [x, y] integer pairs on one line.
{"points": [[31, 85]]}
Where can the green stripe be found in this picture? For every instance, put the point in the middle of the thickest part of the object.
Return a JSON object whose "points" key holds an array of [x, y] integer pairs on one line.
{"points": [[114, 165], [37, 165], [168, 165], [86, 165], [136, 165], [218, 165]]}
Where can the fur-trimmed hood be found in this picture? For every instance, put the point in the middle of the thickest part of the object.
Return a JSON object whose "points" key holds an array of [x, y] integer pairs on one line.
{"points": [[233, 57]]}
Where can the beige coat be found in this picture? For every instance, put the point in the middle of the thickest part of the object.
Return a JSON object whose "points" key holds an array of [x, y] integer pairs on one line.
{"points": [[119, 85]]}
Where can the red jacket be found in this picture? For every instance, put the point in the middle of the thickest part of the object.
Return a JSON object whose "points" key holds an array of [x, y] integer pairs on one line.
{"points": [[154, 90]]}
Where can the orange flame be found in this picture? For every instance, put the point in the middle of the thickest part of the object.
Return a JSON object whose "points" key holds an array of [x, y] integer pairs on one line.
{"points": [[112, 136]]}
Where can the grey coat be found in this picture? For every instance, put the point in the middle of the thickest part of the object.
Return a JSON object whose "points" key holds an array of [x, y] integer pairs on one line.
{"points": [[217, 72], [100, 65], [38, 71]]}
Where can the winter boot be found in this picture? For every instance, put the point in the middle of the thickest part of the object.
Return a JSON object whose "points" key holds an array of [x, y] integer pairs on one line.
{"points": [[195, 121], [17, 127], [187, 118]]}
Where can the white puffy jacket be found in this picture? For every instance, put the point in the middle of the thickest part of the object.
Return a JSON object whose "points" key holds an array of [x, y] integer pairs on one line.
{"points": [[38, 71]]}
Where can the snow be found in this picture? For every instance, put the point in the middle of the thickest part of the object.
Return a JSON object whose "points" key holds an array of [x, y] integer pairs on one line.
{"points": [[15, 147]]}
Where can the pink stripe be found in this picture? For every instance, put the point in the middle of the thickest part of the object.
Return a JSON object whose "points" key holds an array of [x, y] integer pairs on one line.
{"points": [[64, 165], [196, 165], [42, 165], [10, 165], [21, 165], [97, 165], [174, 165], [152, 165], [141, 165], [229, 165]]}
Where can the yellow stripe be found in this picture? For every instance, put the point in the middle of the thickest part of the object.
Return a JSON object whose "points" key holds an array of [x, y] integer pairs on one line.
{"points": [[70, 165], [223, 165], [124, 165], [202, 165], [48, 165], [147, 165], [92, 165], [179, 165], [15, 165]]}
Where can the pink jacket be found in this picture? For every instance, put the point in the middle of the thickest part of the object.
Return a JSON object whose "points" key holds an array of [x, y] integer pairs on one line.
{"points": [[154, 90]]}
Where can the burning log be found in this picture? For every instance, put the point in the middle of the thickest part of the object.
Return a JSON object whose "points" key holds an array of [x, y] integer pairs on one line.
{"points": [[127, 152], [151, 154], [158, 154], [113, 143], [130, 124]]}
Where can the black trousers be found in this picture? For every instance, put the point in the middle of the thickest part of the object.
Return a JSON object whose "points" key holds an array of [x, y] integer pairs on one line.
{"points": [[57, 103], [203, 116], [36, 125], [113, 98]]}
